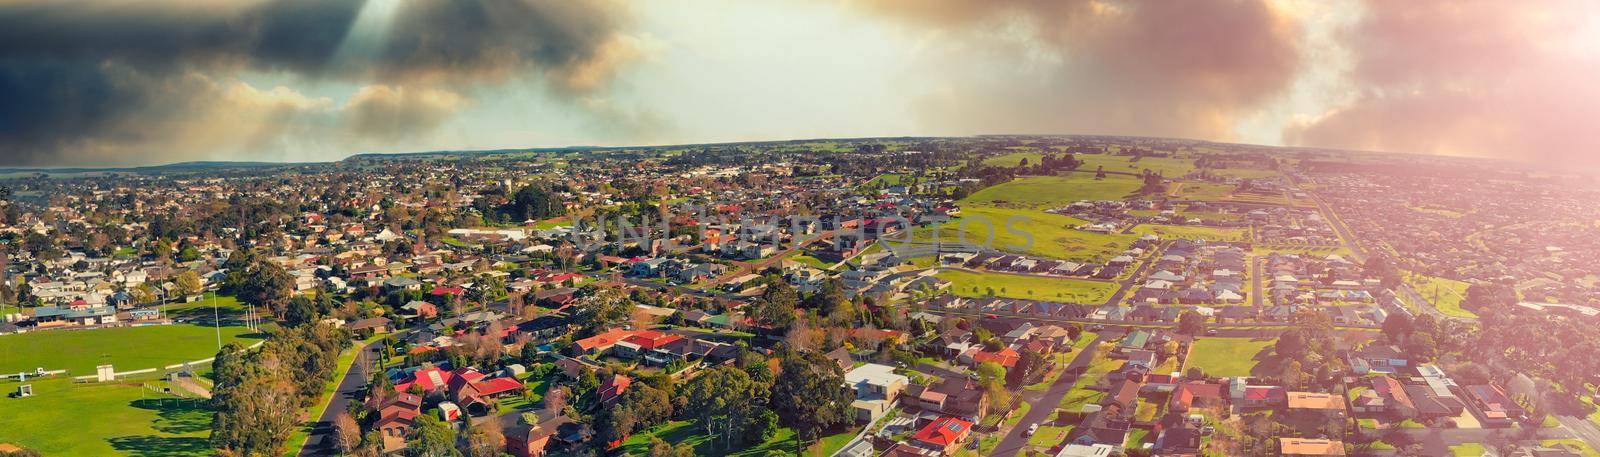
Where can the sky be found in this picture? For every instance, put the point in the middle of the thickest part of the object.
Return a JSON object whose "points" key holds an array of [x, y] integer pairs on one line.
{"points": [[140, 82]]}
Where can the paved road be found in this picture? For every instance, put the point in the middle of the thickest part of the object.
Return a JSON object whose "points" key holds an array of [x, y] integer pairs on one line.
{"points": [[1437, 441], [320, 442], [1127, 284], [1255, 282], [1044, 405], [1582, 428]]}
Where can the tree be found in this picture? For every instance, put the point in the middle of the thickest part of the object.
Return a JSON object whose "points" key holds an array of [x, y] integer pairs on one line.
{"points": [[267, 286], [606, 307], [346, 433], [616, 424], [811, 395], [301, 311], [1293, 375], [189, 283], [723, 400], [432, 437], [775, 308], [1489, 296], [1396, 326], [1191, 323], [990, 373], [1029, 363], [650, 406], [661, 448]]}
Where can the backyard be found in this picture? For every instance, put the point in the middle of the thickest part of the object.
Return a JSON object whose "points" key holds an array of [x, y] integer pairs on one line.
{"points": [[1226, 357]]}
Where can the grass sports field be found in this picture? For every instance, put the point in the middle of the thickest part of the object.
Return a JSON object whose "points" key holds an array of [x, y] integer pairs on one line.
{"points": [[129, 348], [120, 418], [1445, 294], [968, 284], [1227, 356]]}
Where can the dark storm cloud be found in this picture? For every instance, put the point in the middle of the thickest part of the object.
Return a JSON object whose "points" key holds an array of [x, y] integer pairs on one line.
{"points": [[91, 75]]}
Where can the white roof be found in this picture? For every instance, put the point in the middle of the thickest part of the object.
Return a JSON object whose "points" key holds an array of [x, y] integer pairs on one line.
{"points": [[874, 374]]}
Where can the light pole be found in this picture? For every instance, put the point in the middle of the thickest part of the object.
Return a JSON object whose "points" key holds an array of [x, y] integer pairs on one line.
{"points": [[216, 320]]}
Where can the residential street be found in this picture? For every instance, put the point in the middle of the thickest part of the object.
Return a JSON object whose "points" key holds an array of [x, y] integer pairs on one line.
{"points": [[1044, 404], [320, 441]]}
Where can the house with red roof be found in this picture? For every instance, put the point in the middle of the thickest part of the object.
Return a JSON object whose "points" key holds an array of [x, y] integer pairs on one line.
{"points": [[1006, 357], [603, 342], [644, 341], [944, 434], [469, 387], [396, 414], [612, 389]]}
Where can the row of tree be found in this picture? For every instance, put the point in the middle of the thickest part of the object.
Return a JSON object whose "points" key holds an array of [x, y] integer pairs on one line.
{"points": [[258, 393]]}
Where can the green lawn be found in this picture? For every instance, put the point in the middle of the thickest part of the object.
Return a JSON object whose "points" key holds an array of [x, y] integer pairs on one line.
{"points": [[1049, 435], [1577, 444], [1243, 173], [886, 180], [227, 307], [1012, 159], [1225, 357], [128, 348], [810, 261], [1203, 191], [1193, 232], [1170, 167], [122, 418], [970, 284], [1053, 235], [1445, 294], [1042, 192], [782, 443], [1467, 450]]}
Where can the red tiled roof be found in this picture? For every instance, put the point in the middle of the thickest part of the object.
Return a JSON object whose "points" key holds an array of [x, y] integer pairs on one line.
{"points": [[1005, 357], [497, 385], [614, 387], [651, 339], [944, 431], [607, 339]]}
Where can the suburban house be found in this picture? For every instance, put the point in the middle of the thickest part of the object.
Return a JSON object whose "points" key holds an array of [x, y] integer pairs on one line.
{"points": [[944, 435]]}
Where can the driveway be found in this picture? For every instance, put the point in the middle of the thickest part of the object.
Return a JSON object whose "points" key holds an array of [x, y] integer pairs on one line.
{"points": [[1044, 405]]}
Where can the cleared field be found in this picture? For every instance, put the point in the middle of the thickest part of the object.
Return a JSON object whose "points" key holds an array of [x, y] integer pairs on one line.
{"points": [[1166, 166], [122, 418], [1444, 294], [1243, 173], [969, 284], [1012, 159], [129, 348], [1192, 232], [1053, 235], [1043, 192], [1203, 191], [1227, 356]]}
